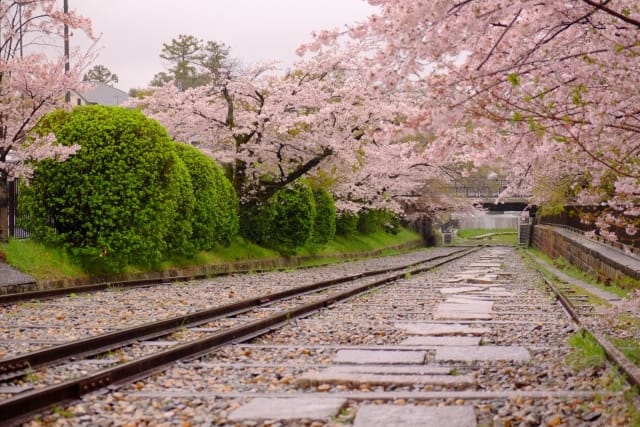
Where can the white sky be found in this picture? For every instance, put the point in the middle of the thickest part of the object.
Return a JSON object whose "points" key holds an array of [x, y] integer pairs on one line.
{"points": [[255, 30]]}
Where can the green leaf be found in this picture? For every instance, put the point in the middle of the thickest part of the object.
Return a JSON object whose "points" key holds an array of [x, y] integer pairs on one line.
{"points": [[577, 92], [514, 79]]}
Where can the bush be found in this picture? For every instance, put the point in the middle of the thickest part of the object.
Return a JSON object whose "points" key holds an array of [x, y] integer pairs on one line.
{"points": [[215, 214], [124, 198], [374, 220], [284, 222], [324, 225], [346, 224]]}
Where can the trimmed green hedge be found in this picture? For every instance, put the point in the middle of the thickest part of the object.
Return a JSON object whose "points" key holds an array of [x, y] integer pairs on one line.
{"points": [[284, 222], [346, 224], [324, 225], [124, 198], [215, 217], [374, 220]]}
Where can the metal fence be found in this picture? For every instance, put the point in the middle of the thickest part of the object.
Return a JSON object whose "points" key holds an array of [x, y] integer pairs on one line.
{"points": [[14, 212]]}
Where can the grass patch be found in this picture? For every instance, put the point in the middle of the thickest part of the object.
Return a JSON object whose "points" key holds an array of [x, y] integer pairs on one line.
{"points": [[239, 249], [500, 236], [40, 261], [576, 273], [587, 353], [630, 347], [49, 263], [364, 243]]}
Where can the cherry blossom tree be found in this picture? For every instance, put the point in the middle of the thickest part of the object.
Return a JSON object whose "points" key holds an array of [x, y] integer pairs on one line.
{"points": [[548, 88], [320, 121], [32, 82]]}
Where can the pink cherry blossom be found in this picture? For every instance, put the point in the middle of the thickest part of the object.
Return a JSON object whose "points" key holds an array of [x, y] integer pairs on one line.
{"points": [[33, 82]]}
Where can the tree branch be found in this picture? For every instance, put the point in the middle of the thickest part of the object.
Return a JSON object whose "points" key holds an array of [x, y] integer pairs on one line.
{"points": [[513, 21], [601, 6]]}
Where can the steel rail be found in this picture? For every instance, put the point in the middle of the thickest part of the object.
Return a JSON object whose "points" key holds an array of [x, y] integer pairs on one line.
{"points": [[615, 356], [105, 342], [18, 407], [15, 297]]}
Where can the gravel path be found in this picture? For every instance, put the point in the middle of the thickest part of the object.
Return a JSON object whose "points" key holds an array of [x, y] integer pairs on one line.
{"points": [[35, 325], [544, 390]]}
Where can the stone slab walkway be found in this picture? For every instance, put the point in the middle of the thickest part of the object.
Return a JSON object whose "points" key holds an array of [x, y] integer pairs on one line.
{"points": [[440, 329], [415, 416], [391, 357], [456, 341], [482, 353], [288, 409]]}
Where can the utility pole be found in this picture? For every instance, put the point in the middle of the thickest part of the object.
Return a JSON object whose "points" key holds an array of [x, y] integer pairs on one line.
{"points": [[67, 96]]}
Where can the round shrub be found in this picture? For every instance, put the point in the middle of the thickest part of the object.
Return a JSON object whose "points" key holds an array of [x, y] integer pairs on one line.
{"points": [[374, 220], [284, 222], [324, 225], [215, 214], [124, 198], [346, 224]]}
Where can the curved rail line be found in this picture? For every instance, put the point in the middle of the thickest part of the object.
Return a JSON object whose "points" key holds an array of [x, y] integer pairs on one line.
{"points": [[18, 407]]}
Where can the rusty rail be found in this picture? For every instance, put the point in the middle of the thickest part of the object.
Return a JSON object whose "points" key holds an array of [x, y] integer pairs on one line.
{"points": [[15, 409]]}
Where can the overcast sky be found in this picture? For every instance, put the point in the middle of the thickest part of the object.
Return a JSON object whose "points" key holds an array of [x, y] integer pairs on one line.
{"points": [[132, 31]]}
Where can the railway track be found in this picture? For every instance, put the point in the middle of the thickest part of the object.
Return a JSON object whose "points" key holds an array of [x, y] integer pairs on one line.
{"points": [[477, 341], [124, 354], [480, 341]]}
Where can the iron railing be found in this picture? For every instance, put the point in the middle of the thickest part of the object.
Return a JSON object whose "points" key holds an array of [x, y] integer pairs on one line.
{"points": [[14, 212]]}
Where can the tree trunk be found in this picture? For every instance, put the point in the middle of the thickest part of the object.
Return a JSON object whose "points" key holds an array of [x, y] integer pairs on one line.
{"points": [[4, 210]]}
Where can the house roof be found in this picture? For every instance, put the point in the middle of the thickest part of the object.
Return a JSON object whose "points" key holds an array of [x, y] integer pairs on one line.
{"points": [[103, 94]]}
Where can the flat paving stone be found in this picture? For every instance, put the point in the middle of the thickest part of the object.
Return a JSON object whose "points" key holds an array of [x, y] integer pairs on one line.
{"points": [[288, 409], [415, 416], [442, 341], [460, 290], [393, 369], [460, 315], [463, 309], [389, 357], [483, 353], [438, 329], [313, 378], [470, 302]]}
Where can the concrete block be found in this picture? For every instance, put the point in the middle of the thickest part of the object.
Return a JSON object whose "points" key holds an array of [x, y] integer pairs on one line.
{"points": [[294, 408], [415, 416], [482, 353], [442, 341], [438, 329], [387, 357]]}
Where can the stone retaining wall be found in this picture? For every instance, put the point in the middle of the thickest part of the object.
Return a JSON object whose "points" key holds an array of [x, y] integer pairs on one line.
{"points": [[554, 244]]}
